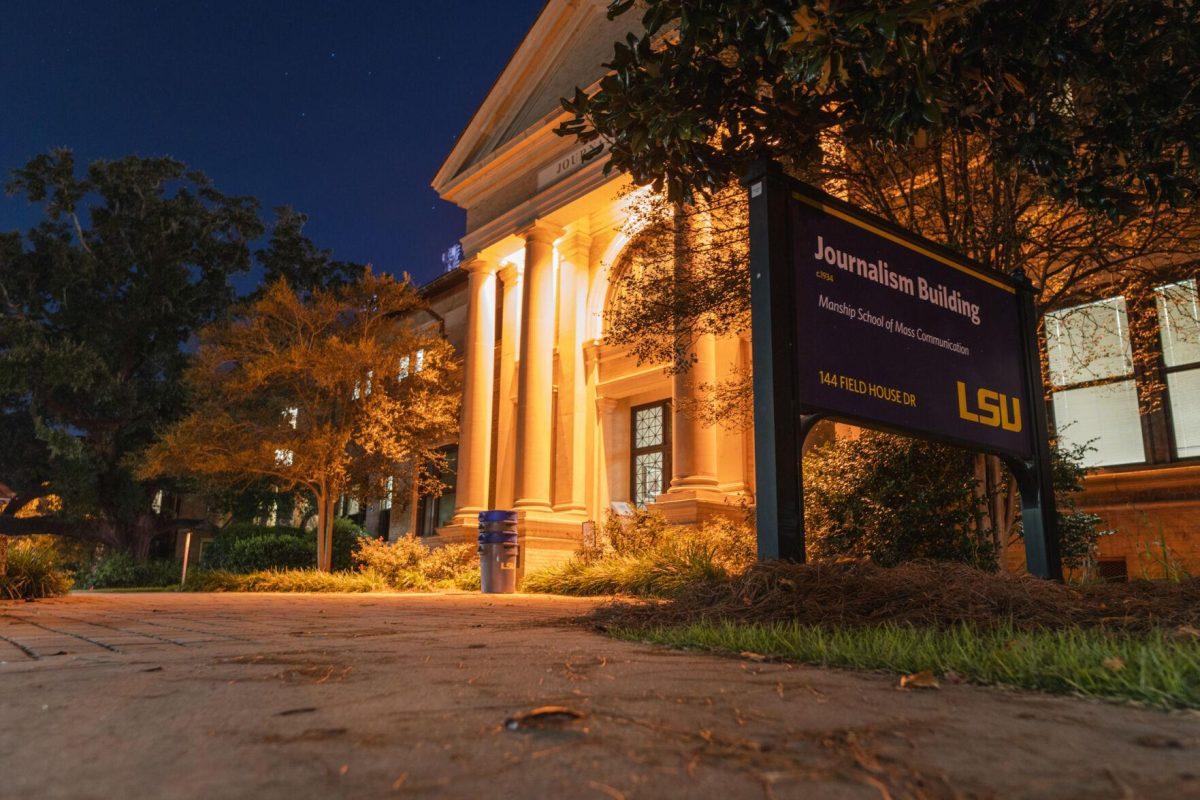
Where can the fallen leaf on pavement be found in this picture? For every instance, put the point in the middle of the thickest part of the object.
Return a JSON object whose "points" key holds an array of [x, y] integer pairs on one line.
{"points": [[752, 656], [604, 788], [289, 712], [542, 717], [920, 680]]}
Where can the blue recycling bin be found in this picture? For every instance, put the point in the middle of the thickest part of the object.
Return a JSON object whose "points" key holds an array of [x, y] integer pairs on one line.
{"points": [[499, 552]]}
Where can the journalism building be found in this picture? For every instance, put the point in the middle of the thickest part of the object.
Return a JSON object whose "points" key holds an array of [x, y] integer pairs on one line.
{"points": [[564, 428]]}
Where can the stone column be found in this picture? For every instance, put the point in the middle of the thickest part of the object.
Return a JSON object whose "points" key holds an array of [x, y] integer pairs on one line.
{"points": [[612, 469], [535, 391], [731, 453], [694, 445], [574, 256], [595, 498], [475, 436], [510, 345]]}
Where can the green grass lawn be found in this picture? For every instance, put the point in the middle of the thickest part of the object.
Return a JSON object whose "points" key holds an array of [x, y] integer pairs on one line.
{"points": [[1156, 669]]}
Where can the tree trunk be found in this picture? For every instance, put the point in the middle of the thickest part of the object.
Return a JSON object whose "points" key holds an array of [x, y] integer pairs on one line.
{"points": [[136, 538], [979, 497], [3, 556], [327, 566], [320, 528], [324, 532], [996, 503]]}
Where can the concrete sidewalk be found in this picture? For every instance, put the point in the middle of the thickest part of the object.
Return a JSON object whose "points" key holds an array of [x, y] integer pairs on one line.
{"points": [[316, 696]]}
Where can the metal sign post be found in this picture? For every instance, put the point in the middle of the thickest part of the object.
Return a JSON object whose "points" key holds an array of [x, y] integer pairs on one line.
{"points": [[858, 320], [187, 550]]}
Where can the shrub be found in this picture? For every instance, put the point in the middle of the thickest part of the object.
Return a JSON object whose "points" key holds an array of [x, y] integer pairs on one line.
{"points": [[397, 564], [1078, 531], [35, 569], [408, 564], [295, 580], [346, 537], [895, 499], [734, 545], [246, 547], [453, 564], [892, 499], [270, 551], [640, 533], [218, 554], [122, 571]]}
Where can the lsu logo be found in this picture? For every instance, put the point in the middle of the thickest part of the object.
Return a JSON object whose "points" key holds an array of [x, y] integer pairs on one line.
{"points": [[991, 409]]}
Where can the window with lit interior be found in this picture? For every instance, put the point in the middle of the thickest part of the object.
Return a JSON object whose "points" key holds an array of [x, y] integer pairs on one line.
{"points": [[1091, 374], [650, 451], [1179, 327]]}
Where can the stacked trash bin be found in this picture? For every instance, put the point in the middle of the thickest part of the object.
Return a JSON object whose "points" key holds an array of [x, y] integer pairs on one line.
{"points": [[498, 551]]}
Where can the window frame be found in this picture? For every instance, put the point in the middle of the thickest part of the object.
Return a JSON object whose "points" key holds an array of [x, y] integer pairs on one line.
{"points": [[1131, 377], [1168, 405], [665, 447]]}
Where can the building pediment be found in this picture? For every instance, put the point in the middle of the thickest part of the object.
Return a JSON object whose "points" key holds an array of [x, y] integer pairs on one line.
{"points": [[565, 48]]}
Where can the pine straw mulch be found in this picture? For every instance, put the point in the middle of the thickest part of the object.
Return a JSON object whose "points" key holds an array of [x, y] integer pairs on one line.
{"points": [[937, 594]]}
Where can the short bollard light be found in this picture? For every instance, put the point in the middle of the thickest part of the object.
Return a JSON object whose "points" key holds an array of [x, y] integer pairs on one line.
{"points": [[499, 552]]}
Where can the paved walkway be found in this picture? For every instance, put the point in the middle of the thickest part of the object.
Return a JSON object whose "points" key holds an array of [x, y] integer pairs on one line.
{"points": [[275, 696]]}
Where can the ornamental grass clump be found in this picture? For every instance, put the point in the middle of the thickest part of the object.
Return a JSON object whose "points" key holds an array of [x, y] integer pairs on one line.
{"points": [[292, 580], [645, 556], [34, 570]]}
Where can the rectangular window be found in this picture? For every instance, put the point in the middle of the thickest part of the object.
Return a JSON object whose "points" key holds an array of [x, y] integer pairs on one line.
{"points": [[386, 503], [1112, 570], [411, 364], [650, 451], [384, 524], [435, 511], [1179, 326], [1091, 373]]}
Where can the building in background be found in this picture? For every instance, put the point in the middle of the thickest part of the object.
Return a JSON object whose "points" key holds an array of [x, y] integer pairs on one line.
{"points": [[563, 427]]}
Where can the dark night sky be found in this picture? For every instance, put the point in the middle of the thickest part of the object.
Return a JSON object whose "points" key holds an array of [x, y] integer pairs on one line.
{"points": [[343, 110]]}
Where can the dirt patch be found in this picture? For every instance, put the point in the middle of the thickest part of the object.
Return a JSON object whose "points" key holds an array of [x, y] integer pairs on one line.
{"points": [[921, 593]]}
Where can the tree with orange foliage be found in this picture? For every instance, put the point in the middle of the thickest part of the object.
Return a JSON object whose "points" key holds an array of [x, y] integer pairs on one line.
{"points": [[330, 394]]}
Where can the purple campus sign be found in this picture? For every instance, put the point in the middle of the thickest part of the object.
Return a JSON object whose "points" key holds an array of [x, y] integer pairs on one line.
{"points": [[900, 334], [857, 319]]}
